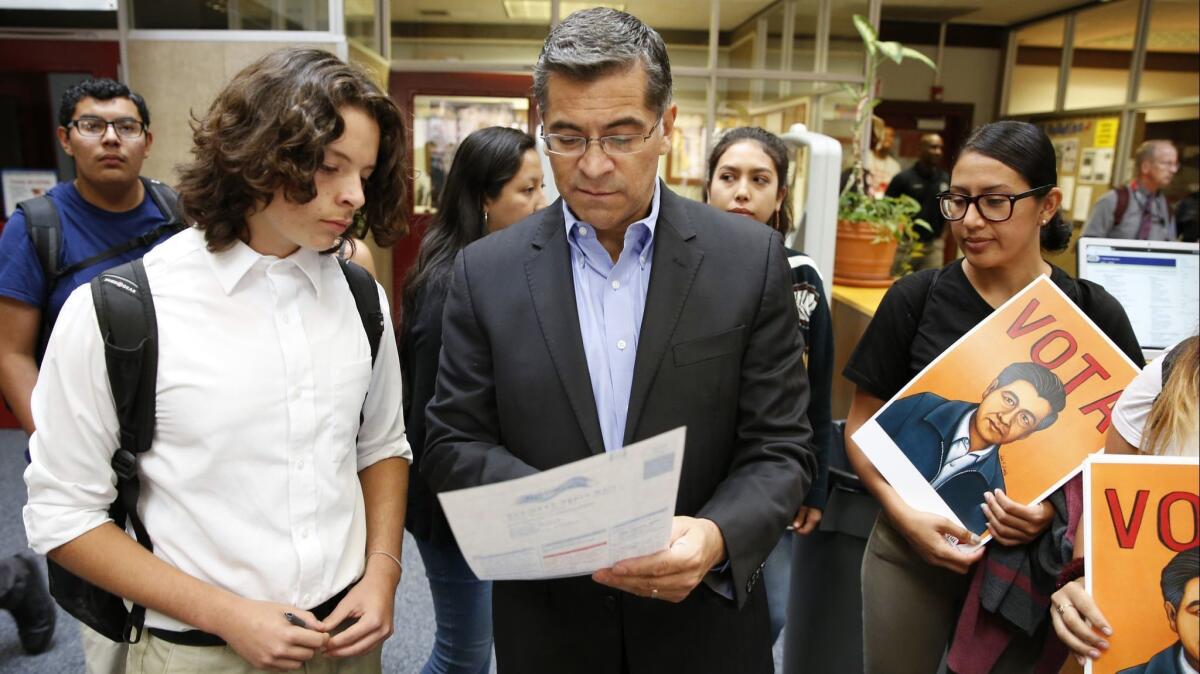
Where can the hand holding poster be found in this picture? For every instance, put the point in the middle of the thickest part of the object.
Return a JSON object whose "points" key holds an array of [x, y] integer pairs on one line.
{"points": [[1016, 404], [1142, 517]]}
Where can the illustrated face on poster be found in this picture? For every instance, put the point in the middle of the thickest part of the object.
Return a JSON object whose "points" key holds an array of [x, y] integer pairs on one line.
{"points": [[956, 444], [1142, 517], [1017, 404]]}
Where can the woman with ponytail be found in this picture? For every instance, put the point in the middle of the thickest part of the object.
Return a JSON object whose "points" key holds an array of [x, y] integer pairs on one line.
{"points": [[921, 594], [495, 180]]}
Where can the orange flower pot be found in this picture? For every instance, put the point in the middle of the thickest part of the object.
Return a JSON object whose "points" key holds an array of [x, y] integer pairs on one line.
{"points": [[858, 261]]}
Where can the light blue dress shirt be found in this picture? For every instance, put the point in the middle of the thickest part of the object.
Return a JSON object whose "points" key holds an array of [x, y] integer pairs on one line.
{"points": [[611, 299]]}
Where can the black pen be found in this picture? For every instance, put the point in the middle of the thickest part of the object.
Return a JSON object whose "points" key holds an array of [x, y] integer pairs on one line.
{"points": [[296, 620]]}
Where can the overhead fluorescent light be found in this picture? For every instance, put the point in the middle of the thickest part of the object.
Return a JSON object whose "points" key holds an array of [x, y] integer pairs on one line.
{"points": [[90, 5], [539, 10]]}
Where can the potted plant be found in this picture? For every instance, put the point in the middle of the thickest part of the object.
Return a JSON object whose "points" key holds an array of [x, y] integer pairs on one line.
{"points": [[869, 228]]}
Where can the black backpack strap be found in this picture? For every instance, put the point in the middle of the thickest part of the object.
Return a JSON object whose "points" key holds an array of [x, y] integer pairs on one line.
{"points": [[366, 300], [167, 201], [125, 313], [45, 233]]}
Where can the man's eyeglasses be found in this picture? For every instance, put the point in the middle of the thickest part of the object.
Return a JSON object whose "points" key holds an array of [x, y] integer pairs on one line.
{"points": [[94, 127], [574, 146], [992, 207]]}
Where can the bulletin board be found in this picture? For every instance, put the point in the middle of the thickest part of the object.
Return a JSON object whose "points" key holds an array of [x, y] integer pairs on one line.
{"points": [[1086, 149]]}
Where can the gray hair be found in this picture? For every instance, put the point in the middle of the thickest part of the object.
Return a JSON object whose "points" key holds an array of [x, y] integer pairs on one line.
{"points": [[592, 43], [1147, 150]]}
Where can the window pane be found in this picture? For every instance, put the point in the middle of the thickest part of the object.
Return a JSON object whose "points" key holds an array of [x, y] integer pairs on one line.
{"points": [[362, 24], [440, 123], [1035, 73], [508, 31], [231, 14], [846, 52], [1103, 52], [1172, 52], [684, 166], [752, 37]]}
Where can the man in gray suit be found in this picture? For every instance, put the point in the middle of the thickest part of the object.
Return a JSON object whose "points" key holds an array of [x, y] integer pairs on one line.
{"points": [[619, 312]]}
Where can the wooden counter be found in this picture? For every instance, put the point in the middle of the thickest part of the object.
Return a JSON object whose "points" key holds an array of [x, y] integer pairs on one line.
{"points": [[852, 311]]}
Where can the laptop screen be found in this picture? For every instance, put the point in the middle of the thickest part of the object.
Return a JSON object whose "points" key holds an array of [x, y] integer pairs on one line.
{"points": [[1157, 282]]}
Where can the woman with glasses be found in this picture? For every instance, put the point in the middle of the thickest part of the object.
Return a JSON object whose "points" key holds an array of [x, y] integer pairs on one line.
{"points": [[494, 181], [921, 594], [747, 170]]}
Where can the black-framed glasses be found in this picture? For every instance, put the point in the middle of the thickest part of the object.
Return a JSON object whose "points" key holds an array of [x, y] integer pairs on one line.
{"points": [[95, 127], [622, 143], [993, 207]]}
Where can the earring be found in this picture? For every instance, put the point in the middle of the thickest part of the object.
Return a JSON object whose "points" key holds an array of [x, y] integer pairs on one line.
{"points": [[485, 219]]}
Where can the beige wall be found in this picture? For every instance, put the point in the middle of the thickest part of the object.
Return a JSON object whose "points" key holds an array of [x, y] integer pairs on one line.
{"points": [[179, 78], [969, 75]]}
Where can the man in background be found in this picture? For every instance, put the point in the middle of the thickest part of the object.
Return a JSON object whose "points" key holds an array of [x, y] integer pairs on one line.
{"points": [[923, 182], [1139, 210], [882, 166], [105, 128]]}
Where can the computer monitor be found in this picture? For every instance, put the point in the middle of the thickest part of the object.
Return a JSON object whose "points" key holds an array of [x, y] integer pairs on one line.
{"points": [[1158, 283]]}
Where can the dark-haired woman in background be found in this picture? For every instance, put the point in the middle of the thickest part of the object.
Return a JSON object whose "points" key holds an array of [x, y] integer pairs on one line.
{"points": [[747, 170], [1002, 207], [494, 181]]}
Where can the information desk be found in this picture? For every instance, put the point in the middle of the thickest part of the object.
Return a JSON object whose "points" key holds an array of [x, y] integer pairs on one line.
{"points": [[852, 311]]}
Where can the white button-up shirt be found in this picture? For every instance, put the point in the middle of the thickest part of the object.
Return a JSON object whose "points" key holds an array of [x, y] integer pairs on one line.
{"points": [[251, 483], [960, 456]]}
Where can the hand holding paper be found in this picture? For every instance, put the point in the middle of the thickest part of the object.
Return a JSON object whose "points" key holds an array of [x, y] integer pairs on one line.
{"points": [[696, 546], [573, 519]]}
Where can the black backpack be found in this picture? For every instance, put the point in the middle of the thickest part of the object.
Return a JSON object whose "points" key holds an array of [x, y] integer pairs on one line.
{"points": [[125, 313], [45, 233]]}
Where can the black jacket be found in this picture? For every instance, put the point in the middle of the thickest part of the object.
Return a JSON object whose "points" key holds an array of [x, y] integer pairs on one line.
{"points": [[719, 352]]}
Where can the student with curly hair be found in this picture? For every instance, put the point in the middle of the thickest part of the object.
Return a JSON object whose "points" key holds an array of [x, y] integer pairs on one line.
{"points": [[275, 483]]}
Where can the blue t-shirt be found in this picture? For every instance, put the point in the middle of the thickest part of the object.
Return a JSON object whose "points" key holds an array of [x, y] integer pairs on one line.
{"points": [[86, 231]]}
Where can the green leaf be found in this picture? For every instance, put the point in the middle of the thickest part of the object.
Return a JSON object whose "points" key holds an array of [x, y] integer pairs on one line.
{"points": [[917, 56], [892, 50], [867, 31]]}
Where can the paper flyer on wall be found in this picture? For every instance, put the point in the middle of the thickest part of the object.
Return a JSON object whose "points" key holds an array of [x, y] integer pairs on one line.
{"points": [[1016, 404], [573, 519], [1142, 522]]}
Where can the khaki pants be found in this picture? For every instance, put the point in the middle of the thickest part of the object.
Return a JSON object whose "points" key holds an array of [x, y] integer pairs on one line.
{"points": [[152, 655], [910, 609], [100, 654]]}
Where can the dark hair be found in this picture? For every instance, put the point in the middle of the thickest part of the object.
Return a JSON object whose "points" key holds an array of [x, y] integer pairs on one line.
{"points": [[1178, 572], [592, 43], [1047, 384], [1024, 148], [774, 148], [267, 130], [485, 162], [101, 89]]}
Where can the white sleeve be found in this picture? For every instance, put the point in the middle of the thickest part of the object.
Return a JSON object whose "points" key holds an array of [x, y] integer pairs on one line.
{"points": [[70, 478], [381, 435], [1132, 408]]}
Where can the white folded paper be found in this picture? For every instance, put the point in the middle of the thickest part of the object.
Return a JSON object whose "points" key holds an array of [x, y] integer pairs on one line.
{"points": [[573, 519]]}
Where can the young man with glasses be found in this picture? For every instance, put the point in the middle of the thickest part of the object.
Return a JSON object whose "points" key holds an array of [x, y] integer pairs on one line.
{"points": [[636, 311], [1140, 210], [105, 128]]}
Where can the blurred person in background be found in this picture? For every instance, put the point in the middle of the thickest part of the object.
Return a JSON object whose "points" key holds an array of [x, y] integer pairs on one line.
{"points": [[494, 181]]}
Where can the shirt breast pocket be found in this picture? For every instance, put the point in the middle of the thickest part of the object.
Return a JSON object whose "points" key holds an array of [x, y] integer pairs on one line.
{"points": [[350, 383], [708, 348]]}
